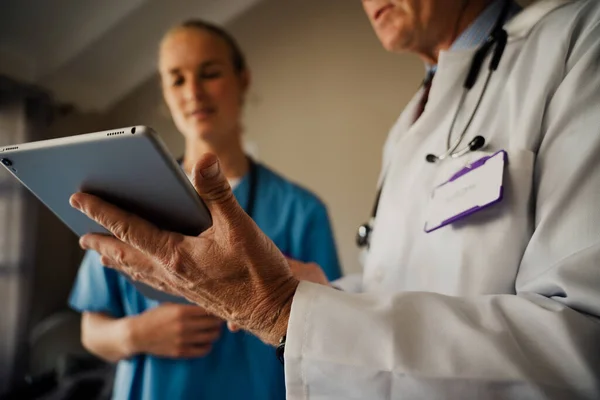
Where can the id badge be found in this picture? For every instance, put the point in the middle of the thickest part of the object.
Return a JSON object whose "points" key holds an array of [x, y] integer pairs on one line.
{"points": [[476, 187]]}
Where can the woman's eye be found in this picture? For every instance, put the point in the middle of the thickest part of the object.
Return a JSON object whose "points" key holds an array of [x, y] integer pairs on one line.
{"points": [[210, 74], [178, 81]]}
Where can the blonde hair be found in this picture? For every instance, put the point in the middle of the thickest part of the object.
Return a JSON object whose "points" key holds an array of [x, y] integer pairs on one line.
{"points": [[237, 56]]}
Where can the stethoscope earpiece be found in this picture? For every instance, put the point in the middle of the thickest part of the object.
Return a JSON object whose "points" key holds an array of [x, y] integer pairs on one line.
{"points": [[431, 158], [477, 143]]}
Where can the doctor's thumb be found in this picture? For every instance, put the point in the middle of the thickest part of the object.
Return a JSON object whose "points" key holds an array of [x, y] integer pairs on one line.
{"points": [[213, 187]]}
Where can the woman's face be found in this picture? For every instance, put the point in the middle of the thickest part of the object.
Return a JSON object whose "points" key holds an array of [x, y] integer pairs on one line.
{"points": [[201, 87]]}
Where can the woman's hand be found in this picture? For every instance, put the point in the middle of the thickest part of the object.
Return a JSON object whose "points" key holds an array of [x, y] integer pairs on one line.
{"points": [[174, 330]]}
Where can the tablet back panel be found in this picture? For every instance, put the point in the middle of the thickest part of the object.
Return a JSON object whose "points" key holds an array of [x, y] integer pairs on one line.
{"points": [[131, 170], [129, 167]]}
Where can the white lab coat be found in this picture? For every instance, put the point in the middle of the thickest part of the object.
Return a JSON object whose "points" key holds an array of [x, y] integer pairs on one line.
{"points": [[505, 304]]}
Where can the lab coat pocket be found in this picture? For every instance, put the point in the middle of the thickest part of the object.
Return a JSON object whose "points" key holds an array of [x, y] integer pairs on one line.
{"points": [[494, 239], [516, 202]]}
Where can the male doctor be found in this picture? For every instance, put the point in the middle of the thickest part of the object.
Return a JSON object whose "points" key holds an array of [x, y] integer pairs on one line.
{"points": [[483, 273]]}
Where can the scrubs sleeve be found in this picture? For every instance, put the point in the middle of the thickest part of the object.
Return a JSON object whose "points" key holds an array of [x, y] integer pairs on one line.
{"points": [[96, 288]]}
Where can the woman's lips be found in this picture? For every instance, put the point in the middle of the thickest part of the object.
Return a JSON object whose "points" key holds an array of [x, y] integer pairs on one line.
{"points": [[201, 113]]}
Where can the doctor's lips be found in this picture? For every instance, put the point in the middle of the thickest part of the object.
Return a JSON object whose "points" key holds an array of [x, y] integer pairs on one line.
{"points": [[379, 13]]}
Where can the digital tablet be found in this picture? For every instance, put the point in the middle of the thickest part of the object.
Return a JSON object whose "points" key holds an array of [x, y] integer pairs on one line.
{"points": [[129, 167]]}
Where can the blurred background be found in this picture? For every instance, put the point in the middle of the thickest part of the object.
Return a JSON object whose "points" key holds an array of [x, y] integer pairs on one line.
{"points": [[324, 95]]}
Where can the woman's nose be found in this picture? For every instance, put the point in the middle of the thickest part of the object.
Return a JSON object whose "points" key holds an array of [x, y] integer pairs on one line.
{"points": [[194, 90]]}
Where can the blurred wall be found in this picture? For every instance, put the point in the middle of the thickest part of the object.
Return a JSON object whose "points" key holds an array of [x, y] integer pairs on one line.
{"points": [[323, 98]]}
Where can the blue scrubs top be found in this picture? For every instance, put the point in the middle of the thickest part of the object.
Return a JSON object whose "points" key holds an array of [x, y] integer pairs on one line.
{"points": [[239, 366]]}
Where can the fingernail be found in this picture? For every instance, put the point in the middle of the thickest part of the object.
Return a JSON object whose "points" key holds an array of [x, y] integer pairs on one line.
{"points": [[75, 204], [83, 243], [211, 171]]}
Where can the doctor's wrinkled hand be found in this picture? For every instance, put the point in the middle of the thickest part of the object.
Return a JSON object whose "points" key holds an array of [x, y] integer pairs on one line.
{"points": [[310, 272], [232, 269], [302, 271]]}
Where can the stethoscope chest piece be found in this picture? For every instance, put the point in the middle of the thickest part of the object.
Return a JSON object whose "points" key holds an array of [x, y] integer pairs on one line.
{"points": [[362, 235]]}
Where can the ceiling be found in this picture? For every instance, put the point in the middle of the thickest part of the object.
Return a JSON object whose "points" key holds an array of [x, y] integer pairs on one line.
{"points": [[92, 53]]}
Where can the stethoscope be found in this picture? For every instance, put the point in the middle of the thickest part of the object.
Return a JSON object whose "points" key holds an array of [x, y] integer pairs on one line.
{"points": [[497, 38]]}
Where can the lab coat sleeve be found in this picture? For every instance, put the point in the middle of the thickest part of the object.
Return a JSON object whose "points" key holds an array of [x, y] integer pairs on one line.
{"points": [[542, 342], [352, 283]]}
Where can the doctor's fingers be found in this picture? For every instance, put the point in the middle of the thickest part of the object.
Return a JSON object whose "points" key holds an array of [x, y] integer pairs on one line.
{"points": [[121, 256], [128, 228], [118, 255], [215, 191]]}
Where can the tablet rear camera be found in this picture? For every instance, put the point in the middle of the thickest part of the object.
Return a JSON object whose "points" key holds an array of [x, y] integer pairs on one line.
{"points": [[6, 162], [133, 130]]}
